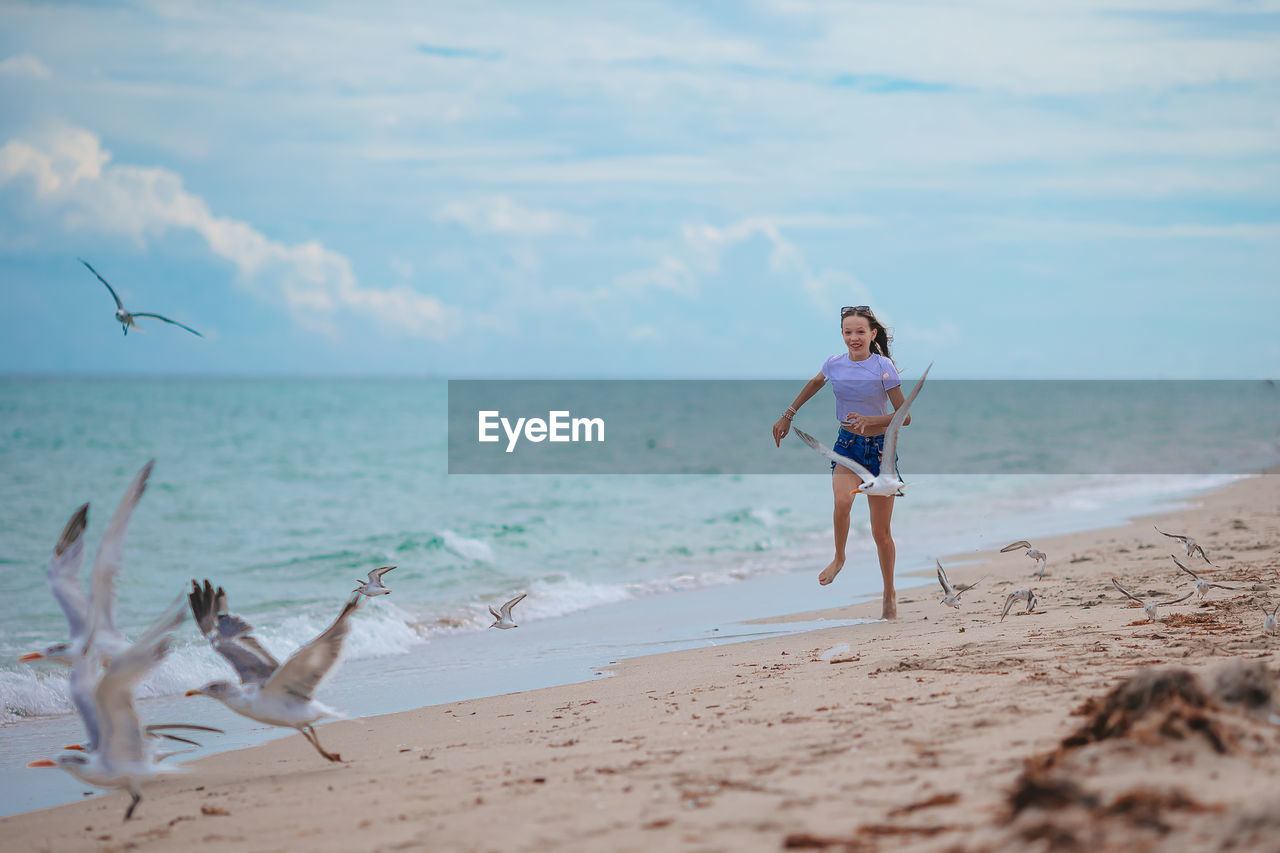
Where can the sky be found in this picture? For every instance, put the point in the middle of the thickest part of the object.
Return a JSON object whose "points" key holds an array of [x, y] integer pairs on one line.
{"points": [[641, 190]]}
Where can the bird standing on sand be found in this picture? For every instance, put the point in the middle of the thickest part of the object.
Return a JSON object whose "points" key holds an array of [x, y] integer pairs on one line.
{"points": [[125, 318], [1202, 585], [1027, 595], [1149, 607], [124, 754], [886, 483], [374, 586], [503, 620], [1033, 553], [1188, 543], [951, 594], [269, 692], [1269, 619]]}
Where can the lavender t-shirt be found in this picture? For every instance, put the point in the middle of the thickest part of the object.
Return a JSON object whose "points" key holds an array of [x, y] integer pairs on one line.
{"points": [[861, 386]]}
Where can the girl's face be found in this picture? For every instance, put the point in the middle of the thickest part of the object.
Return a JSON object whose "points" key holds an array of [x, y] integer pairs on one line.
{"points": [[857, 335]]}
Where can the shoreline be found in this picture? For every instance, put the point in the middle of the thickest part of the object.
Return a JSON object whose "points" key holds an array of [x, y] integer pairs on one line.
{"points": [[628, 742]]}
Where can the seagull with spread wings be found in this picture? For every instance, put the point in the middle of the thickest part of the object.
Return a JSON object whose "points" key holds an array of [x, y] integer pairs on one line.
{"points": [[1188, 543], [1149, 607], [125, 318], [374, 586], [1269, 621], [503, 619], [1203, 586], [1027, 595], [1034, 553], [886, 483], [94, 614], [951, 594], [278, 694], [123, 754]]}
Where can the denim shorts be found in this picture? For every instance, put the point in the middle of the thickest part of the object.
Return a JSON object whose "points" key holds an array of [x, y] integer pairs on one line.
{"points": [[863, 449]]}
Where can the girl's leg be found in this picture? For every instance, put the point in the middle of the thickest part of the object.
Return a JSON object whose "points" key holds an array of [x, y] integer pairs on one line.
{"points": [[843, 482], [881, 510]]}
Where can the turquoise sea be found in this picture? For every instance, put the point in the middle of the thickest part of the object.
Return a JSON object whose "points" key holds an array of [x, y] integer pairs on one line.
{"points": [[286, 491]]}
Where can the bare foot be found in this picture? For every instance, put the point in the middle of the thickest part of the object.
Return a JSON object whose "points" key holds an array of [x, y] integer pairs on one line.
{"points": [[828, 574], [889, 610]]}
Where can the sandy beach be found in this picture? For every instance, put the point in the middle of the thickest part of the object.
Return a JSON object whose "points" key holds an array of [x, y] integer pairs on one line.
{"points": [[944, 730]]}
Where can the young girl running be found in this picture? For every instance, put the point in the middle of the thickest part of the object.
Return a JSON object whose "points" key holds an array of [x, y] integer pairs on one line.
{"points": [[865, 381]]}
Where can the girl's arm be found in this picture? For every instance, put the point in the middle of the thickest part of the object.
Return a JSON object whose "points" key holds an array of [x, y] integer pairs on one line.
{"points": [[860, 423], [782, 425]]}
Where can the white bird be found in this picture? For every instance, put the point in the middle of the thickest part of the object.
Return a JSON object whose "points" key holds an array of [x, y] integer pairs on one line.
{"points": [[269, 692], [96, 614], [886, 483], [1188, 543], [1027, 595], [1149, 607], [1033, 553], [124, 755], [374, 586], [1202, 585], [951, 594], [503, 620], [125, 318], [1269, 619]]}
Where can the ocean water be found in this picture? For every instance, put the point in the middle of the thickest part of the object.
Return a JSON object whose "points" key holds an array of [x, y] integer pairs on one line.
{"points": [[287, 491]]}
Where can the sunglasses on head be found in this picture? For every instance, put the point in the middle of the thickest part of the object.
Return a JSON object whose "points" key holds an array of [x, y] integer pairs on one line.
{"points": [[853, 309]]}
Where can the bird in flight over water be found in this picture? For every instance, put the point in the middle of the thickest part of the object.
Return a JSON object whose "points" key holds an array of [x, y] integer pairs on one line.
{"points": [[125, 318]]}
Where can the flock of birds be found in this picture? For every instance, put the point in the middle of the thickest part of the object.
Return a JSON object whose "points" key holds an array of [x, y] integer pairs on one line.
{"points": [[119, 751], [1150, 608]]}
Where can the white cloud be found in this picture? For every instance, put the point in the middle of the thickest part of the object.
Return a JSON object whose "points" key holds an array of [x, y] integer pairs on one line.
{"points": [[703, 245], [501, 215], [72, 177], [25, 65]]}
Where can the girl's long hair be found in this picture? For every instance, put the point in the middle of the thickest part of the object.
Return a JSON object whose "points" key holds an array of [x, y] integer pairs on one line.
{"points": [[880, 343]]}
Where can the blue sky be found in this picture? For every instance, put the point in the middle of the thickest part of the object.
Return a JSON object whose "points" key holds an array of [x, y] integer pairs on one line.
{"points": [[1059, 189]]}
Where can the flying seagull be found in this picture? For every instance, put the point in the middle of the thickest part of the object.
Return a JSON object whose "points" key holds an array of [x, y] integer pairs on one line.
{"points": [[1149, 607], [1188, 543], [373, 586], [96, 613], [1202, 585], [125, 318], [1027, 595], [270, 692], [123, 756], [1269, 619], [951, 594], [886, 483], [1033, 553], [503, 620]]}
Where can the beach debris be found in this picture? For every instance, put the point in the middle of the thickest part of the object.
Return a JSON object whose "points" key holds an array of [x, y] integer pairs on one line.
{"points": [[1202, 586], [886, 483], [125, 318], [1269, 622], [503, 619], [1150, 607], [374, 586], [951, 594], [1027, 595], [1188, 543], [1034, 553], [270, 692], [839, 653], [1167, 702]]}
